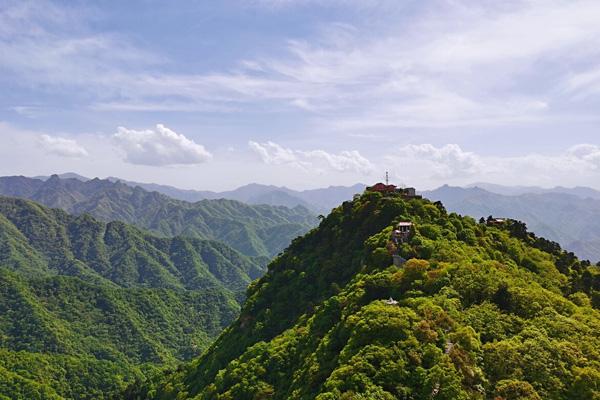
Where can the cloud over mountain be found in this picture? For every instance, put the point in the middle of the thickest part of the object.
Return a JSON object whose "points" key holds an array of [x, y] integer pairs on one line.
{"points": [[159, 147], [62, 147], [318, 160], [447, 161]]}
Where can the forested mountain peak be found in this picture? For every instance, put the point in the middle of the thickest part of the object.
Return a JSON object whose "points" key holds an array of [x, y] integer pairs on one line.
{"points": [[478, 311]]}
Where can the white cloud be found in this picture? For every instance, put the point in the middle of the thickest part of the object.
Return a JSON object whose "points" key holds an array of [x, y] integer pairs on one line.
{"points": [[272, 153], [62, 147], [317, 160], [448, 161], [451, 64], [159, 147], [428, 166], [52, 45], [344, 161], [492, 32]]}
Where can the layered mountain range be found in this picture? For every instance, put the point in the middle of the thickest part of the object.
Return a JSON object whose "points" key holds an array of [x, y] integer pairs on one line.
{"points": [[255, 230], [318, 200], [87, 307], [570, 216], [92, 309]]}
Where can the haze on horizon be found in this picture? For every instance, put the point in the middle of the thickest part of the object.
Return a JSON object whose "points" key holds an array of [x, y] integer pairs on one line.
{"points": [[211, 96]]}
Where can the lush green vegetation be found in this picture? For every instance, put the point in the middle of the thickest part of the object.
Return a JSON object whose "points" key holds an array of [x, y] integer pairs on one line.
{"points": [[86, 307], [254, 230], [567, 219], [483, 313]]}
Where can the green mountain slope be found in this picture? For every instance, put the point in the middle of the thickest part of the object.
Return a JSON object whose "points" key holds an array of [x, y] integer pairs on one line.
{"points": [[477, 312], [86, 307], [247, 228]]}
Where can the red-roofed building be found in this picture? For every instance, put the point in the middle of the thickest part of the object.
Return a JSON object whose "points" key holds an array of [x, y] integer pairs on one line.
{"points": [[382, 188]]}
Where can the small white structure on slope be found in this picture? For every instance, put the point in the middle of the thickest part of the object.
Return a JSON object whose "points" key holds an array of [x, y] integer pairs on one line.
{"points": [[391, 302]]}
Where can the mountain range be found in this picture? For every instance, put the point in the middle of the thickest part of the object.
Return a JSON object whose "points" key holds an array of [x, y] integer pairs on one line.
{"points": [[456, 310], [318, 200], [570, 216], [459, 309], [87, 307], [579, 191], [255, 230]]}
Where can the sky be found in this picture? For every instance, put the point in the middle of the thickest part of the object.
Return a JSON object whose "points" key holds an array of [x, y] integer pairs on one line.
{"points": [[214, 95]]}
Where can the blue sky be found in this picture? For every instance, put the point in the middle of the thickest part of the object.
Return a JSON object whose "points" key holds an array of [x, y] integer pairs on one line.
{"points": [[213, 95]]}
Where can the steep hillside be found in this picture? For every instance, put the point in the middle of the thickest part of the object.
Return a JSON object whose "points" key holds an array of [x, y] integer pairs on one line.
{"points": [[87, 306], [248, 229], [572, 221], [477, 312]]}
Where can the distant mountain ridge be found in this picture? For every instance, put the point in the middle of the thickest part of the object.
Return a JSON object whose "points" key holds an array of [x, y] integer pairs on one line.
{"points": [[579, 191], [317, 200], [571, 220], [254, 230], [320, 200], [478, 199]]}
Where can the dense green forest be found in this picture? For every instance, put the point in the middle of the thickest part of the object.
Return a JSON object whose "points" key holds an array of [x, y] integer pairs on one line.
{"points": [[477, 312], [254, 230], [87, 307], [565, 218]]}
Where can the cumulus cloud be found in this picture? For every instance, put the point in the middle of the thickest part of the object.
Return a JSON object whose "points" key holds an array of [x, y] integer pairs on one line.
{"points": [[429, 165], [159, 147], [273, 153], [62, 147], [344, 161], [446, 161]]}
